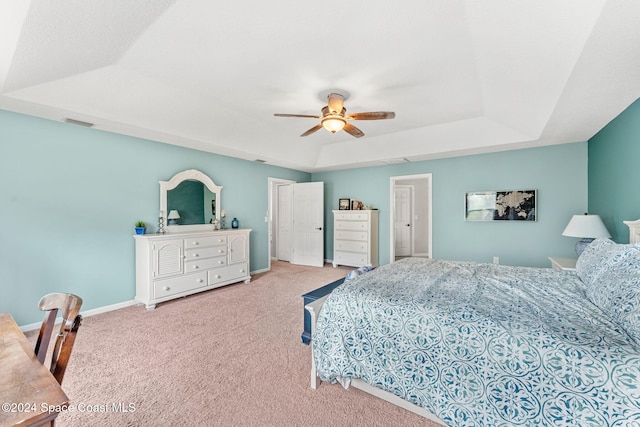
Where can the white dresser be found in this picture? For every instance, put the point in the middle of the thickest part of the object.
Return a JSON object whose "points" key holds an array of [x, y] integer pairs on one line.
{"points": [[355, 238], [174, 265]]}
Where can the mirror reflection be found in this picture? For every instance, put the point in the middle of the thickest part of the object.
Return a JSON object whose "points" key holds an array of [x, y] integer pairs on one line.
{"points": [[189, 201], [193, 202]]}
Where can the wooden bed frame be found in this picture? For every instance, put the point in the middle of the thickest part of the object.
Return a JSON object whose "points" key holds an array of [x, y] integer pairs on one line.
{"points": [[634, 231], [314, 308]]}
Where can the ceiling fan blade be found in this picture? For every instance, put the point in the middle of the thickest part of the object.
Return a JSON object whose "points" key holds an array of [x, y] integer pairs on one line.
{"points": [[377, 115], [353, 131], [335, 103], [298, 115], [313, 129]]}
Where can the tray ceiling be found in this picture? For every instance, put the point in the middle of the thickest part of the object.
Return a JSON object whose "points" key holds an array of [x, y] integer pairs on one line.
{"points": [[463, 77]]}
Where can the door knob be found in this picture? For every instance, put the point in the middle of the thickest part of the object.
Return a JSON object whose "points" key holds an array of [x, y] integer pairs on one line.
{"points": [[319, 228], [408, 225]]}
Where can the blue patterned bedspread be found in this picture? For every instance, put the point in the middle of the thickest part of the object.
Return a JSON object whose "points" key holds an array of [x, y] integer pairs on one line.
{"points": [[482, 344]]}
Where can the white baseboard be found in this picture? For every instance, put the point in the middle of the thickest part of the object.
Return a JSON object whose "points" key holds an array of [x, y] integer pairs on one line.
{"points": [[106, 308], [92, 312]]}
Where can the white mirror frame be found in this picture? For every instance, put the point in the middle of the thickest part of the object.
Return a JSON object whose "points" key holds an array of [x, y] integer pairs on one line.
{"points": [[188, 175]]}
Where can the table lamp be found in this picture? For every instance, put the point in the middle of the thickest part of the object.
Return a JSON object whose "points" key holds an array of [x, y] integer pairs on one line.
{"points": [[173, 217], [587, 227]]}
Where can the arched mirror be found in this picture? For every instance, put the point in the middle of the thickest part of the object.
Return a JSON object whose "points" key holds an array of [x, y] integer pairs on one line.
{"points": [[190, 201]]}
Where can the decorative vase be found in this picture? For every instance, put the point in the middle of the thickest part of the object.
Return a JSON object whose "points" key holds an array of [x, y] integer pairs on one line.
{"points": [[234, 223], [140, 230]]}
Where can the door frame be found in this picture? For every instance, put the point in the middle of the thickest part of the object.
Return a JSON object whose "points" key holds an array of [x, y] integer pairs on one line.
{"points": [[272, 210], [393, 181]]}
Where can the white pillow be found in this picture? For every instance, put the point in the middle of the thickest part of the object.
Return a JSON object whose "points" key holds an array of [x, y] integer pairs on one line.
{"points": [[618, 295], [592, 261]]}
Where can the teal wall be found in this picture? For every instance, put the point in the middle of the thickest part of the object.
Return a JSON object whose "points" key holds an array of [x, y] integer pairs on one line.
{"points": [[614, 172], [71, 197], [559, 173]]}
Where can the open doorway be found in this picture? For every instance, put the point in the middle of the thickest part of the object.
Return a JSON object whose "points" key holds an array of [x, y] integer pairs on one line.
{"points": [[296, 220], [279, 211], [410, 218]]}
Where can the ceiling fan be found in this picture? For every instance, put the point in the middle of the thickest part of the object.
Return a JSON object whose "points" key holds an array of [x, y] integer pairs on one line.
{"points": [[334, 117]]}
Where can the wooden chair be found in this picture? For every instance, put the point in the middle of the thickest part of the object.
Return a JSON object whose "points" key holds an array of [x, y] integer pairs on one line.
{"points": [[69, 307]]}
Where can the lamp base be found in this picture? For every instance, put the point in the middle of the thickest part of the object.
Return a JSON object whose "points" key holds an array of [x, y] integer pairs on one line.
{"points": [[582, 244]]}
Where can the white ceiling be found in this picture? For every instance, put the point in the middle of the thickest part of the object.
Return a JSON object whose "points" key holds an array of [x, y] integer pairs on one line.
{"points": [[463, 76]]}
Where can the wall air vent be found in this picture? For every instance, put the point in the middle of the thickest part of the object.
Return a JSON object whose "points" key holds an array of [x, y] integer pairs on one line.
{"points": [[79, 123]]}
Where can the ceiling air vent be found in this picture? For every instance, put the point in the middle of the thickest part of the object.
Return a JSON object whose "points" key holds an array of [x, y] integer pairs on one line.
{"points": [[395, 161], [78, 122]]}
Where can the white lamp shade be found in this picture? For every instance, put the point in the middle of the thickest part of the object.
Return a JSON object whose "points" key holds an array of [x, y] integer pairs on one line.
{"points": [[173, 215], [586, 226]]}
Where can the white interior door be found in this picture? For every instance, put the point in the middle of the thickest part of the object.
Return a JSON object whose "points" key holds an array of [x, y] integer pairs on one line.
{"points": [[308, 224], [285, 222], [403, 220]]}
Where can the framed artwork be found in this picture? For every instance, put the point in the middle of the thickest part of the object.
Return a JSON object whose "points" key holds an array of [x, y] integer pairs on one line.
{"points": [[513, 205], [344, 204], [356, 205]]}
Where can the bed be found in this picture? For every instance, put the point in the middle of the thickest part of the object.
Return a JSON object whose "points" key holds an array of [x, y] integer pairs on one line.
{"points": [[468, 344]]}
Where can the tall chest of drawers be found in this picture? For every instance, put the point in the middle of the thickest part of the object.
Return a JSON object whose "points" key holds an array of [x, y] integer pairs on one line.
{"points": [[355, 238], [174, 265]]}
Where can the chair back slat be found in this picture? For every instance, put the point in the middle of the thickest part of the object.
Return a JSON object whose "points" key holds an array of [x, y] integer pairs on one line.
{"points": [[68, 305]]}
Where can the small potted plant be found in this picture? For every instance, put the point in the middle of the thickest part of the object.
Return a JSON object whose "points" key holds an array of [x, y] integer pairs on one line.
{"points": [[140, 227]]}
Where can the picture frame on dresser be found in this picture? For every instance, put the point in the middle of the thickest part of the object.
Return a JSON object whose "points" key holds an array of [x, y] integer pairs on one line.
{"points": [[344, 204]]}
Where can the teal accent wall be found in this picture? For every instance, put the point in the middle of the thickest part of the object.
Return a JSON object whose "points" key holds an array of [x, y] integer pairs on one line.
{"points": [[71, 197], [558, 173], [614, 174]]}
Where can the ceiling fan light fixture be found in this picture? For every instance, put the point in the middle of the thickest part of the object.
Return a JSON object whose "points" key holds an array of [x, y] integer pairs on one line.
{"points": [[333, 124]]}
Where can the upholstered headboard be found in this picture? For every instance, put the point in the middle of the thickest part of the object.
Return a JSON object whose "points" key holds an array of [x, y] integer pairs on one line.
{"points": [[634, 231]]}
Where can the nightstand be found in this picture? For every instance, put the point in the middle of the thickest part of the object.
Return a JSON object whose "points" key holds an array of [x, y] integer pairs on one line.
{"points": [[568, 264]]}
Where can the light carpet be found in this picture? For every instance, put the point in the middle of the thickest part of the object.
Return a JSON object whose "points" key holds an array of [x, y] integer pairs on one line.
{"points": [[231, 356]]}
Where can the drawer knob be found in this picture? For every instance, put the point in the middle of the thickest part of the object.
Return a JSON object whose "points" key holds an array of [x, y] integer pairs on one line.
{"points": [[220, 251], [166, 288], [220, 262], [199, 280], [217, 276], [195, 267], [196, 255], [195, 243]]}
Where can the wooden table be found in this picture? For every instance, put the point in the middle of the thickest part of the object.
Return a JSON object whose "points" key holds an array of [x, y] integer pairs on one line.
{"points": [[29, 394]]}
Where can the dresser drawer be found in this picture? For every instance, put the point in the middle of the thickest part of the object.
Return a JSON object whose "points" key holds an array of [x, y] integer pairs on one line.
{"points": [[351, 246], [166, 287], [352, 225], [350, 258], [198, 242], [195, 265], [352, 216], [208, 252], [361, 236], [230, 272]]}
